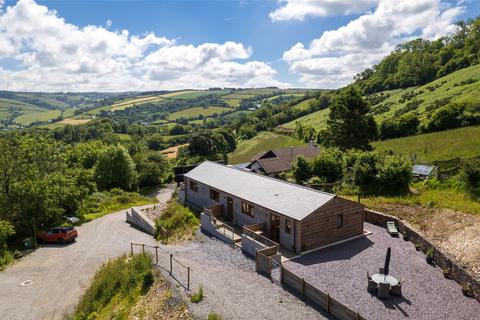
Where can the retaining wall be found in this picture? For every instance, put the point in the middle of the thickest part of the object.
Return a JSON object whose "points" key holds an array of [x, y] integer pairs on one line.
{"points": [[139, 220], [208, 227]]}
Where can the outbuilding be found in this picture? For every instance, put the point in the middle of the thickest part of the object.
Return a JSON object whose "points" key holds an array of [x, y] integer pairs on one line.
{"points": [[298, 218]]}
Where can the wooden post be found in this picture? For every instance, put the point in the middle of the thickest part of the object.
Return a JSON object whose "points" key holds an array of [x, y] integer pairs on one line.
{"points": [[131, 247], [358, 316], [328, 303], [270, 268], [188, 278], [303, 289], [171, 263], [143, 248], [256, 260], [156, 255], [281, 274]]}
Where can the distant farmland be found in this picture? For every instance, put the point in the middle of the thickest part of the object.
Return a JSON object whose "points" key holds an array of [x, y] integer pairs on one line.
{"points": [[196, 111]]}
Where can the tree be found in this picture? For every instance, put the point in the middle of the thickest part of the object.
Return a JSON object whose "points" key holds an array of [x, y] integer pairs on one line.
{"points": [[6, 231], [115, 169], [301, 170], [328, 165], [151, 168], [207, 143], [470, 174], [349, 126]]}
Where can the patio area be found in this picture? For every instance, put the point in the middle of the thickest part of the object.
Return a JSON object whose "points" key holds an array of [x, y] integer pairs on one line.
{"points": [[341, 270]]}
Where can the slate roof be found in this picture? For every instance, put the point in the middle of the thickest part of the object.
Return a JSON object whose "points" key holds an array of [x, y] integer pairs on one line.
{"points": [[286, 198], [280, 160]]}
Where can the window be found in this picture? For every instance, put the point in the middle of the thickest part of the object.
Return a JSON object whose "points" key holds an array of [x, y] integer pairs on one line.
{"points": [[288, 226], [193, 186], [247, 209], [339, 220], [214, 195]]}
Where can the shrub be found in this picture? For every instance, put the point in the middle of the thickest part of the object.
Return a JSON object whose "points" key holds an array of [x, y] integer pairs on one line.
{"points": [[115, 287], [470, 175], [328, 165], [197, 296], [6, 231], [178, 220], [214, 316], [302, 170]]}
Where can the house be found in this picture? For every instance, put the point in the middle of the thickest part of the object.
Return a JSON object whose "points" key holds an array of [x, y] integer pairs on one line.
{"points": [[273, 162], [296, 217]]}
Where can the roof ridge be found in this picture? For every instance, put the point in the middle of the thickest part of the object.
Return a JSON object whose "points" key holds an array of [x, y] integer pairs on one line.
{"points": [[273, 179]]}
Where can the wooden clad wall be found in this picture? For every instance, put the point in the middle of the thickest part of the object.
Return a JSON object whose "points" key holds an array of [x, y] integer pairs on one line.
{"points": [[320, 228]]}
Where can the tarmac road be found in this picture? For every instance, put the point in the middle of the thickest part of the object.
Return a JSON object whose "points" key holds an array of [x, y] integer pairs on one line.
{"points": [[60, 273]]}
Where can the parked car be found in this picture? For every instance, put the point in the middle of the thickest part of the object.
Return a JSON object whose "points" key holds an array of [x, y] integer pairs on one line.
{"points": [[58, 235], [72, 219]]}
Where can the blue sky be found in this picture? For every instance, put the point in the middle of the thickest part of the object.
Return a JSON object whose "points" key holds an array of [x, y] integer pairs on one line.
{"points": [[190, 44]]}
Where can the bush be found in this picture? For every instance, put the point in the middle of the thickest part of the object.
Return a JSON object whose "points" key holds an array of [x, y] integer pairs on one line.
{"points": [[6, 231], [302, 170], [328, 165], [214, 316], [470, 175], [197, 296], [115, 287], [178, 220]]}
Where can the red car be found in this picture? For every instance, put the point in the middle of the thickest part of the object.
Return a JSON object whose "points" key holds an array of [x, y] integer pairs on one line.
{"points": [[58, 235]]}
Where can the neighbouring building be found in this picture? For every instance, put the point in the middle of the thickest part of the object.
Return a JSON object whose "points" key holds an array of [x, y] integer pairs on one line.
{"points": [[273, 162], [296, 217]]}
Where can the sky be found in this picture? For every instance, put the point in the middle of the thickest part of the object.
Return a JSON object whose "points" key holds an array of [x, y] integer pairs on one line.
{"points": [[165, 45]]}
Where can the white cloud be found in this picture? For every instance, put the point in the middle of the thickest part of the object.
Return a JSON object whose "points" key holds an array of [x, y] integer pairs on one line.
{"points": [[339, 54], [300, 9], [108, 24], [59, 56]]}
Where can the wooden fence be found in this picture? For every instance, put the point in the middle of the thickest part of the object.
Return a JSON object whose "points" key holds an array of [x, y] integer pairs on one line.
{"points": [[315, 297], [166, 261]]}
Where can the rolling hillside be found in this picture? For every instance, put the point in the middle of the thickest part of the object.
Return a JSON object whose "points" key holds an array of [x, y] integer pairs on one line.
{"points": [[458, 86], [443, 145], [263, 141]]}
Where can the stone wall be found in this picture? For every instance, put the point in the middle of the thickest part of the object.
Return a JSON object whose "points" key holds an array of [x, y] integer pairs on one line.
{"points": [[139, 220], [208, 227], [459, 274]]}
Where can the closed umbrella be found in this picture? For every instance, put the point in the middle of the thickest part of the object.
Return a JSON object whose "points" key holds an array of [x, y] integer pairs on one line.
{"points": [[387, 262]]}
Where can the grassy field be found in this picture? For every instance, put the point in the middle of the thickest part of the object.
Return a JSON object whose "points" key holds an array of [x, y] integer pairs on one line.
{"points": [[135, 101], [27, 118], [262, 142], [444, 145], [304, 105], [461, 85], [196, 111], [232, 102], [317, 119]]}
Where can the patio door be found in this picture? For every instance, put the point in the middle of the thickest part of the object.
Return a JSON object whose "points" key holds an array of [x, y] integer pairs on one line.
{"points": [[274, 227], [229, 208]]}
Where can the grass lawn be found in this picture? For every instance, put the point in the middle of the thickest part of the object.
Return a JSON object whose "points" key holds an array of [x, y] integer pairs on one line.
{"points": [[262, 142], [196, 111], [443, 145], [317, 119]]}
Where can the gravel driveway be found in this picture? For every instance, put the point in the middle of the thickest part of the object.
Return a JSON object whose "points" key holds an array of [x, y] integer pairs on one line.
{"points": [[61, 273], [231, 286]]}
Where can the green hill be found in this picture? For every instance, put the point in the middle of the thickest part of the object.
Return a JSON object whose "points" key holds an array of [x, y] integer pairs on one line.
{"points": [[423, 100], [246, 149], [443, 145]]}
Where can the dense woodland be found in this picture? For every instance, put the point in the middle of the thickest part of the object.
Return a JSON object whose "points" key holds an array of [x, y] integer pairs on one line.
{"points": [[420, 61]]}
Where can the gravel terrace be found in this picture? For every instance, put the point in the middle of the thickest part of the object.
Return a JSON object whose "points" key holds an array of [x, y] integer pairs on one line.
{"points": [[231, 286], [342, 272]]}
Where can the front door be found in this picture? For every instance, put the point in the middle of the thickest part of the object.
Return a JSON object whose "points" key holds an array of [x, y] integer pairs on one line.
{"points": [[274, 227], [229, 208]]}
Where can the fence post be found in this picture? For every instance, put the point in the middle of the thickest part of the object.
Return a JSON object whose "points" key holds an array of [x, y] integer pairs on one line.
{"points": [[188, 278], [143, 248], [281, 274], [171, 258], [303, 290], [328, 303], [156, 255], [256, 260], [270, 268], [131, 247]]}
